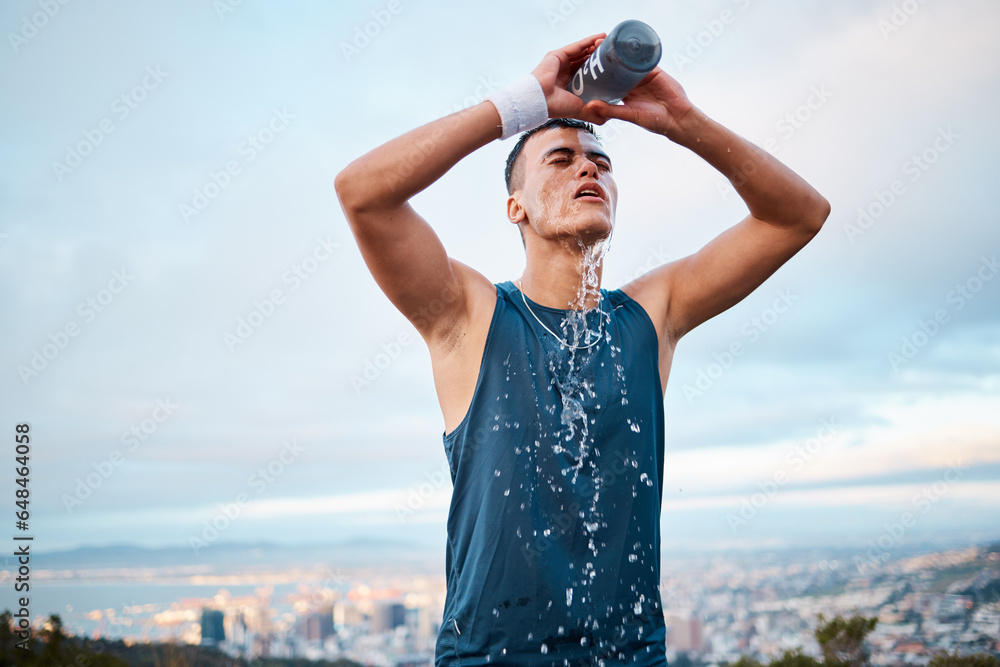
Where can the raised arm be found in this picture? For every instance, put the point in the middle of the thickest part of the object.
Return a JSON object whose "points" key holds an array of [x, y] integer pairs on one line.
{"points": [[402, 251], [785, 211], [404, 254]]}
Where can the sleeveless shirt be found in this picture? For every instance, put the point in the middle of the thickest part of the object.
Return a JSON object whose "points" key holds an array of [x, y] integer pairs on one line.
{"points": [[553, 553]]}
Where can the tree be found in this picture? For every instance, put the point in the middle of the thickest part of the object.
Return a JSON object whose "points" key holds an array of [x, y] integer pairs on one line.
{"points": [[956, 660], [843, 640], [54, 637], [795, 659], [746, 661]]}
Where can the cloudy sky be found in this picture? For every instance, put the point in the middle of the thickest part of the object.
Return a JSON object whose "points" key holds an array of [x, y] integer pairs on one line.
{"points": [[186, 318]]}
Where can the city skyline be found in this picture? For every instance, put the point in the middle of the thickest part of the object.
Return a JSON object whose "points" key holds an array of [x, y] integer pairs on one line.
{"points": [[716, 608]]}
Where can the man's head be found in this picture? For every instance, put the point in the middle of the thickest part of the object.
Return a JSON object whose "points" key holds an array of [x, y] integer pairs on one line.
{"points": [[559, 182], [515, 153]]}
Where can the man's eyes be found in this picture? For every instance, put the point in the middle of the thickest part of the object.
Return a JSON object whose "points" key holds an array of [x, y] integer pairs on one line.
{"points": [[565, 160]]}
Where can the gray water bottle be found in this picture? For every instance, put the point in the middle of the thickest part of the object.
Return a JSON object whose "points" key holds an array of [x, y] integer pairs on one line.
{"points": [[629, 53]]}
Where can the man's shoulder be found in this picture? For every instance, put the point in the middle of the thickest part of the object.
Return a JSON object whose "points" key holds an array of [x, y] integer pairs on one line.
{"points": [[650, 291], [476, 288], [478, 297]]}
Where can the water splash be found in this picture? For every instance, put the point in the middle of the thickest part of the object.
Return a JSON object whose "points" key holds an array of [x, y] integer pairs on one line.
{"points": [[576, 382]]}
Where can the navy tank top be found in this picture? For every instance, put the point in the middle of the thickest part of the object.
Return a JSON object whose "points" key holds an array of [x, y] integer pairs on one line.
{"points": [[553, 554]]}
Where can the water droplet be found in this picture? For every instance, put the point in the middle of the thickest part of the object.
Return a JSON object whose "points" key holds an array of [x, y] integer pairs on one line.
{"points": [[569, 597], [545, 648]]}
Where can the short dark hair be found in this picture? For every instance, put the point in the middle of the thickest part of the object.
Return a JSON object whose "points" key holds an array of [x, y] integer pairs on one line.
{"points": [[572, 123]]}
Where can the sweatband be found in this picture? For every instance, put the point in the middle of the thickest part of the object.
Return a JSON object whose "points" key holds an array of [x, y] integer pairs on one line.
{"points": [[521, 106]]}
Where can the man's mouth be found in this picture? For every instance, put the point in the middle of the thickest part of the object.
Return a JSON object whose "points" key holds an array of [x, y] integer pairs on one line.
{"points": [[590, 192]]}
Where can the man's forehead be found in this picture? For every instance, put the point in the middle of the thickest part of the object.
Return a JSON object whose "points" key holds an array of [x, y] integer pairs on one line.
{"points": [[569, 137]]}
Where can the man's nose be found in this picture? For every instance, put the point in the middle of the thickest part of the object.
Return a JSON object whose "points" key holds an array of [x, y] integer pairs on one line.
{"points": [[587, 167]]}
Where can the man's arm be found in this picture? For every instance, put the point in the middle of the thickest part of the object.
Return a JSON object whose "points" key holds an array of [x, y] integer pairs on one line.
{"points": [[785, 211], [402, 251], [404, 254]]}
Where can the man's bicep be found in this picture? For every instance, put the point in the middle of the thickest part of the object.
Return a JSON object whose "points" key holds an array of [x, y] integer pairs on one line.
{"points": [[726, 270], [410, 265]]}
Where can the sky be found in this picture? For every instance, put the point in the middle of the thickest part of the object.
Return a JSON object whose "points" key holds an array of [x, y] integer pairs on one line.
{"points": [[202, 356]]}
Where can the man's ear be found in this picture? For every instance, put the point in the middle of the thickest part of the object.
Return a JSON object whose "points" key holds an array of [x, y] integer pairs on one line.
{"points": [[515, 212]]}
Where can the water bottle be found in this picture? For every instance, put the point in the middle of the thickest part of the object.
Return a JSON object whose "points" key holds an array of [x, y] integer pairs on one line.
{"points": [[629, 53]]}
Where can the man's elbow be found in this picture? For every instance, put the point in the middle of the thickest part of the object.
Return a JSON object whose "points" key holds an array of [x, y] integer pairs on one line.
{"points": [[362, 194], [815, 213], [345, 185]]}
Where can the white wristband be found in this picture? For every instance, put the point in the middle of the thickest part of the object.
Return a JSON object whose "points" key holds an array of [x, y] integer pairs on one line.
{"points": [[521, 106]]}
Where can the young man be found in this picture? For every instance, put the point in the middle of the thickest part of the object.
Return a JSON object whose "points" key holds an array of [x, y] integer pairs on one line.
{"points": [[552, 389]]}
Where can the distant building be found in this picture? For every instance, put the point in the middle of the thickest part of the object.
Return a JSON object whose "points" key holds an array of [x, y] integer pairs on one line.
{"points": [[387, 616], [238, 633], [346, 615], [317, 626], [213, 631], [685, 632]]}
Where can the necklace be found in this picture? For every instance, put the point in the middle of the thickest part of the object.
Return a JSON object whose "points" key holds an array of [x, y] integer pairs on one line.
{"points": [[566, 343]]}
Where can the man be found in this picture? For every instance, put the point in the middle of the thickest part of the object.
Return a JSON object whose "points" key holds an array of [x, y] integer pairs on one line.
{"points": [[552, 389]]}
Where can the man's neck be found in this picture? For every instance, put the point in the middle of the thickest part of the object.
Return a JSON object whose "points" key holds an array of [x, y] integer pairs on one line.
{"points": [[554, 277]]}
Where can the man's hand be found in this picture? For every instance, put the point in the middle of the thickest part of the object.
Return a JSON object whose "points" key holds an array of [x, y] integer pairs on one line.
{"points": [[657, 104], [554, 74]]}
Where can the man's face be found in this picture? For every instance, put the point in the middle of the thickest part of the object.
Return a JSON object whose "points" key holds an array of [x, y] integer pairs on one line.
{"points": [[567, 189]]}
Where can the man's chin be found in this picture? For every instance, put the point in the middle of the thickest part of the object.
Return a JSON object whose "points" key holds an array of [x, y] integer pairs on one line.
{"points": [[588, 231]]}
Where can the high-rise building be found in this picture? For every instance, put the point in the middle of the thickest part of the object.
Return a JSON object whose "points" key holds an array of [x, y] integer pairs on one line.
{"points": [[685, 632], [212, 628], [388, 615], [317, 626], [347, 615]]}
